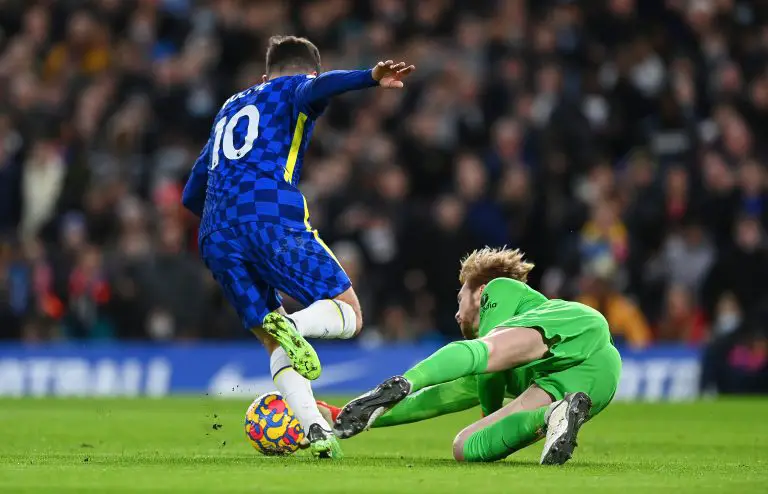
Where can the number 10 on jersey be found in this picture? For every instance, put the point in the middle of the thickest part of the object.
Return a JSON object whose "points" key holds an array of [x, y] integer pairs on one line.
{"points": [[224, 139]]}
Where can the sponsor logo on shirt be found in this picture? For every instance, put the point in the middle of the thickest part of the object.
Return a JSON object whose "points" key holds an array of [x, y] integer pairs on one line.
{"points": [[486, 304]]}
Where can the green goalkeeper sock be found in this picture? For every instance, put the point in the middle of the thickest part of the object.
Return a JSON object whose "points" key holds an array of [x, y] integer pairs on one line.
{"points": [[455, 360], [510, 434], [450, 397]]}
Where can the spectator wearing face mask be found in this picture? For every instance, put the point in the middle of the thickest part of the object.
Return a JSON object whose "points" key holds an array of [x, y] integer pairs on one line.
{"points": [[728, 316], [737, 362]]}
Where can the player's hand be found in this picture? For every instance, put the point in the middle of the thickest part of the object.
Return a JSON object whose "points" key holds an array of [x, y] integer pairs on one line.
{"points": [[390, 74]]}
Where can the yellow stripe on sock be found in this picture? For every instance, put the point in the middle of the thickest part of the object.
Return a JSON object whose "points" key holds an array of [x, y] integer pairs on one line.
{"points": [[281, 371], [293, 154]]}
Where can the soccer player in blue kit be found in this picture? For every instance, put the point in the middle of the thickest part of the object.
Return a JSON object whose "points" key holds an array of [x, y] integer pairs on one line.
{"points": [[255, 235]]}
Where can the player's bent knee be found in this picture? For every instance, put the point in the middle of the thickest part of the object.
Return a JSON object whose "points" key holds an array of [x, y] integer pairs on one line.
{"points": [[350, 298], [358, 316], [458, 446], [460, 442], [358, 320], [471, 445]]}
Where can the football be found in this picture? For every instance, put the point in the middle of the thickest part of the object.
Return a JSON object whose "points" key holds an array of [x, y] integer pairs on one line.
{"points": [[271, 427]]}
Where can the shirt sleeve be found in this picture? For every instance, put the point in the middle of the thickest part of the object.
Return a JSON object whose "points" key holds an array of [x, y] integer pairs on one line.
{"points": [[313, 94], [193, 196]]}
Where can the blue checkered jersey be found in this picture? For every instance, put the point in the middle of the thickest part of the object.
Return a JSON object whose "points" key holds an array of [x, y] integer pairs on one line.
{"points": [[249, 169]]}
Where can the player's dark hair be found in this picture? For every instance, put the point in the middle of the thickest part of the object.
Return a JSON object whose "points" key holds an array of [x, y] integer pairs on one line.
{"points": [[291, 53]]}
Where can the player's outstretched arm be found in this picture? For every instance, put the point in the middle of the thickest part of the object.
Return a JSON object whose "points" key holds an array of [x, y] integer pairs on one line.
{"points": [[315, 92], [193, 196]]}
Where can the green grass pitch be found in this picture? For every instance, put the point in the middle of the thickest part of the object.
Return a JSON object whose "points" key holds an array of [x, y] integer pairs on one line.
{"points": [[172, 445]]}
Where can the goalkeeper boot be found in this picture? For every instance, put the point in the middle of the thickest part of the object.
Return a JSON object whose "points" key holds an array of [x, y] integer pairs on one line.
{"points": [[303, 357], [323, 443], [564, 419], [359, 414]]}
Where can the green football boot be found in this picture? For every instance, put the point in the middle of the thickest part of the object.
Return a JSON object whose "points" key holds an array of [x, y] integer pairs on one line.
{"points": [[303, 357]]}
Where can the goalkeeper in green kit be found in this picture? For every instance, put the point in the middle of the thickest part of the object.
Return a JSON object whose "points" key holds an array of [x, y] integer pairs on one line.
{"points": [[556, 359]]}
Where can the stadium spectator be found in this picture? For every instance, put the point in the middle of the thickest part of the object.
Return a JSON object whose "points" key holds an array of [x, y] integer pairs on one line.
{"points": [[736, 361], [604, 234], [682, 320], [628, 324], [14, 292], [741, 269], [688, 255], [88, 292]]}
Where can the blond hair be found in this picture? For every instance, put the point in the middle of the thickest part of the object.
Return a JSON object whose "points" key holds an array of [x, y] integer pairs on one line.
{"points": [[484, 265]]}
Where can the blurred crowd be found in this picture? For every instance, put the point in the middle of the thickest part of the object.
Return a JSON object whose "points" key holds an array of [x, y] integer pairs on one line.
{"points": [[616, 141]]}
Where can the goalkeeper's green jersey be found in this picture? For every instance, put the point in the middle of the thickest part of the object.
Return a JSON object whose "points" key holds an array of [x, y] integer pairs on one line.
{"points": [[572, 330]]}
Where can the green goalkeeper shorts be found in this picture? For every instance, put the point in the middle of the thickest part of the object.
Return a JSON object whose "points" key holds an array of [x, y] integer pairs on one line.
{"points": [[581, 356], [598, 376]]}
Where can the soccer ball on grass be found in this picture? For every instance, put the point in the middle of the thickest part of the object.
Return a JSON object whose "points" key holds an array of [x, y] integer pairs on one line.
{"points": [[271, 427]]}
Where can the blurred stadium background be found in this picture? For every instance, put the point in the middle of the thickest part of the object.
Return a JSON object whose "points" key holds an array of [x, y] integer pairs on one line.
{"points": [[618, 142]]}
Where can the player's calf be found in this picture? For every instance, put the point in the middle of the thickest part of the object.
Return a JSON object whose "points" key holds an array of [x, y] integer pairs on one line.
{"points": [[302, 356], [508, 429], [297, 392]]}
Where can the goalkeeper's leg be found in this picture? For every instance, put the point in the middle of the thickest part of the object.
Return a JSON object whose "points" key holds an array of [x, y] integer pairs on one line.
{"points": [[451, 397], [579, 393], [500, 350], [503, 349], [523, 422], [513, 427]]}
